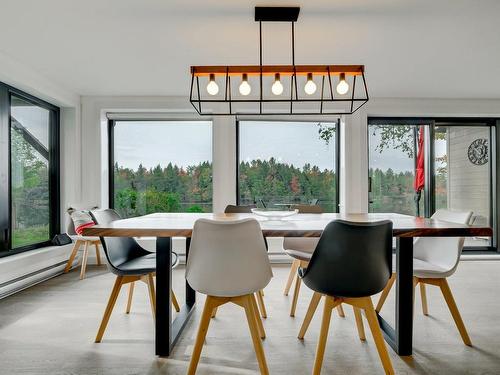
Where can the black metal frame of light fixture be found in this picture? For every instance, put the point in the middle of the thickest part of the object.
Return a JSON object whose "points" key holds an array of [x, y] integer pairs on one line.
{"points": [[278, 14]]}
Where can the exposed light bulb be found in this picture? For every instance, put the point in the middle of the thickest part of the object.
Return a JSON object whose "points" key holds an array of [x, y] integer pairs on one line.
{"points": [[342, 86], [277, 87], [212, 87], [245, 88], [310, 87]]}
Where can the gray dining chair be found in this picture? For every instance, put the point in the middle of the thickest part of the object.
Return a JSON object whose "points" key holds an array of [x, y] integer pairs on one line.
{"points": [[245, 209], [228, 263]]}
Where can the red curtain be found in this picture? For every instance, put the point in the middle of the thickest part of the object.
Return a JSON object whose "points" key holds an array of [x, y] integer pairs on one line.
{"points": [[419, 182]]}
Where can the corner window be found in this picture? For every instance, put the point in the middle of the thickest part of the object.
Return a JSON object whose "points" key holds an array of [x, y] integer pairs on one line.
{"points": [[29, 212]]}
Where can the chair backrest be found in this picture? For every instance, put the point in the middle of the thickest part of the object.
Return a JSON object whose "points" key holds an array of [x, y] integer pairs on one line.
{"points": [[233, 209], [352, 259], [307, 208], [228, 258], [303, 243], [443, 251], [118, 250]]}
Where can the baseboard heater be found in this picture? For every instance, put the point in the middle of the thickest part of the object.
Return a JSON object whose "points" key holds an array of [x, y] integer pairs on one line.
{"points": [[33, 282]]}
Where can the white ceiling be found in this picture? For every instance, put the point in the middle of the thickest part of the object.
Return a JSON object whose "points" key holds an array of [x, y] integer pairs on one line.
{"points": [[421, 48]]}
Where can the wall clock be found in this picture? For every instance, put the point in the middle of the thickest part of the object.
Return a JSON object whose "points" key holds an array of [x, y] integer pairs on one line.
{"points": [[478, 151]]}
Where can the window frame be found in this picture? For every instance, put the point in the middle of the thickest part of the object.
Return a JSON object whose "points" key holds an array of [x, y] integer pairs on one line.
{"points": [[6, 93], [429, 192], [336, 154], [111, 148]]}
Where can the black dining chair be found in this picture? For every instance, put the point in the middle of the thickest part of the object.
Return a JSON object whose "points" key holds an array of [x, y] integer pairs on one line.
{"points": [[129, 262], [243, 209], [352, 262]]}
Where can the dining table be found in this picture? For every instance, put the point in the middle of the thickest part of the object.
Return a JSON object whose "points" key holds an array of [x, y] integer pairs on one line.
{"points": [[164, 226]]}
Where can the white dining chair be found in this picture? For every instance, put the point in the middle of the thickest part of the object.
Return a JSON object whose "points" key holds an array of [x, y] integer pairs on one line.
{"points": [[228, 262], [300, 249], [434, 260]]}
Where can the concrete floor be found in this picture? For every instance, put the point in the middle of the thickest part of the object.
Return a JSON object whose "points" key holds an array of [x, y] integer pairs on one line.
{"points": [[50, 329]]}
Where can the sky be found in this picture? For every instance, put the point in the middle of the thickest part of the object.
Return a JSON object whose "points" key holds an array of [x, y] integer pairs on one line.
{"points": [[151, 143], [294, 143], [190, 142]]}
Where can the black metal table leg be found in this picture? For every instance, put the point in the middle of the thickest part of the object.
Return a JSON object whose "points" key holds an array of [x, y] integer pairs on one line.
{"points": [[400, 339], [168, 331]]}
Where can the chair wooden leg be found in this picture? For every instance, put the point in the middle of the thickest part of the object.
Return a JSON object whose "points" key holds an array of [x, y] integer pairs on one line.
{"points": [[385, 293], [252, 325], [130, 295], [450, 301], [291, 275], [340, 310], [330, 303], [359, 323], [175, 302], [109, 308], [209, 307], [74, 251], [423, 297], [97, 253], [84, 260], [313, 305], [214, 312], [371, 316], [258, 320], [152, 295], [296, 291], [262, 306]]}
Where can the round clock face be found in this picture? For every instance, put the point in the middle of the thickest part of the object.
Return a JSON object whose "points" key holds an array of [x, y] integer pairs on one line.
{"points": [[478, 151]]}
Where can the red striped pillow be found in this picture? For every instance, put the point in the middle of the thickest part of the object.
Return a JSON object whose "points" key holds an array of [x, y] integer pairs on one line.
{"points": [[81, 220]]}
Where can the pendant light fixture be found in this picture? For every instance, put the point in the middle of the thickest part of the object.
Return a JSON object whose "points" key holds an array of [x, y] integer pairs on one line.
{"points": [[212, 87], [343, 86], [310, 86], [277, 87], [318, 95], [245, 88]]}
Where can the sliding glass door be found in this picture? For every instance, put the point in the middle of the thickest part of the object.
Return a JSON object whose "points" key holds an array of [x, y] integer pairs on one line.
{"points": [[30, 206], [419, 166]]}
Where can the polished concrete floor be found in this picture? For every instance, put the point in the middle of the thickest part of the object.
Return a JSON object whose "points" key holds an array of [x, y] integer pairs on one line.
{"points": [[50, 329]]}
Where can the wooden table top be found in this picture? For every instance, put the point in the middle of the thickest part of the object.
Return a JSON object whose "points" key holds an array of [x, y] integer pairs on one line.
{"points": [[301, 225]]}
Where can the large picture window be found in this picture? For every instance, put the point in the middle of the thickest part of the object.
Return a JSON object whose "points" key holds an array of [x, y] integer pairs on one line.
{"points": [[285, 163], [29, 210], [455, 169], [160, 166]]}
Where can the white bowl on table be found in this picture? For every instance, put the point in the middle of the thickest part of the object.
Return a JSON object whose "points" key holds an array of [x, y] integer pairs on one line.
{"points": [[274, 214]]}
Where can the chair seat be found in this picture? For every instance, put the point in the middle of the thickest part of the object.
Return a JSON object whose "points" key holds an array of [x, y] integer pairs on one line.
{"points": [[424, 269], [175, 258], [300, 255], [84, 238], [138, 266]]}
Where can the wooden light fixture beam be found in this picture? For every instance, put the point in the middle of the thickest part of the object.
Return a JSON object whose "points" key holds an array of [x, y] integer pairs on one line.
{"points": [[300, 70]]}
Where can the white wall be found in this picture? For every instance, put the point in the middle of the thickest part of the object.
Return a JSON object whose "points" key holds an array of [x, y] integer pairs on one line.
{"points": [[49, 260]]}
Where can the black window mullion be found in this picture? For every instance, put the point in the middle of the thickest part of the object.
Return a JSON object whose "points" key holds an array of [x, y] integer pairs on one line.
{"points": [[430, 175], [4, 169]]}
